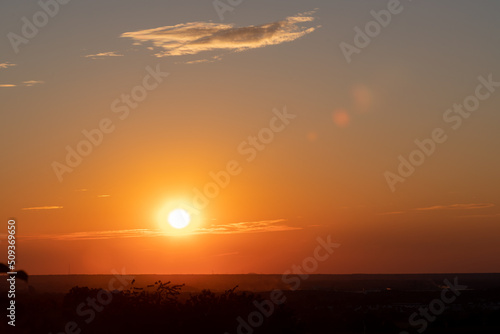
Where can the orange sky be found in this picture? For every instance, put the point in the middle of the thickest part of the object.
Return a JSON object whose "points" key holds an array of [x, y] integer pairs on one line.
{"points": [[159, 98]]}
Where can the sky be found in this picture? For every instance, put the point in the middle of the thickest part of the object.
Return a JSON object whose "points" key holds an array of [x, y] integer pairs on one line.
{"points": [[272, 123]]}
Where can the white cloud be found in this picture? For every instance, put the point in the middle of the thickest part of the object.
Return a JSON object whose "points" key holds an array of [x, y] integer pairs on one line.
{"points": [[194, 37], [104, 55]]}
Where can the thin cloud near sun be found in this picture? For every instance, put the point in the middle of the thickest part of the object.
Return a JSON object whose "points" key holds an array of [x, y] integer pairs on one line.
{"points": [[195, 37], [248, 227], [276, 225], [54, 207]]}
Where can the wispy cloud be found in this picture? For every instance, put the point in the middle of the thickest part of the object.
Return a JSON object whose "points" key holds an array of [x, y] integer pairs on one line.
{"points": [[248, 227], [104, 55], [30, 83], [44, 208], [470, 206], [244, 227], [6, 65], [208, 60], [96, 235], [103, 196], [194, 37]]}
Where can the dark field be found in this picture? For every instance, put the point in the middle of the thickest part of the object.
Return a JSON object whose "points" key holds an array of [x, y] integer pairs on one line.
{"points": [[444, 303]]}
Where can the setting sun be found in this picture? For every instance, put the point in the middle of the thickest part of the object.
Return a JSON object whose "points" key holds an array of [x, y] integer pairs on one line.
{"points": [[179, 218], [260, 166]]}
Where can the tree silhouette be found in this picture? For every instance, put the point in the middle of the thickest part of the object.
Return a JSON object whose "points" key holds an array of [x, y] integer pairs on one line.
{"points": [[21, 274]]}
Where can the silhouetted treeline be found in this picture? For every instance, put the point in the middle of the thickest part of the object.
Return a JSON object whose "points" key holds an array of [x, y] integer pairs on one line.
{"points": [[164, 308]]}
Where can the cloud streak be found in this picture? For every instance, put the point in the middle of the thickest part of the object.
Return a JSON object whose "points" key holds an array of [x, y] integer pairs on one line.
{"points": [[44, 208], [248, 227], [102, 55], [6, 65], [194, 37], [28, 83], [471, 206], [468, 206], [243, 227]]}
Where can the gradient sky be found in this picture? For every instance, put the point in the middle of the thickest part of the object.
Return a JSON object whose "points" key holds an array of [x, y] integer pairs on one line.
{"points": [[322, 175]]}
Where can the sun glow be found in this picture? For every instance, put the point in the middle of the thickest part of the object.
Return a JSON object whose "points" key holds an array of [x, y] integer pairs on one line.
{"points": [[175, 217], [179, 218]]}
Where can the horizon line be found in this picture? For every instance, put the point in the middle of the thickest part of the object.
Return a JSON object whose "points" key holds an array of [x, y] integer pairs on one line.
{"points": [[207, 274]]}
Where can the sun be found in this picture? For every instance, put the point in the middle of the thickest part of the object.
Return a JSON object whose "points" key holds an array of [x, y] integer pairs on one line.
{"points": [[179, 218], [176, 217]]}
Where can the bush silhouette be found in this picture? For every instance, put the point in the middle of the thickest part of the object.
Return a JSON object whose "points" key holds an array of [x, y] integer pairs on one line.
{"points": [[136, 310]]}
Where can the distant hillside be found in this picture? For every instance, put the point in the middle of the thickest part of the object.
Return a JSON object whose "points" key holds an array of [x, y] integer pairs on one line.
{"points": [[257, 282]]}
